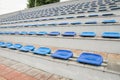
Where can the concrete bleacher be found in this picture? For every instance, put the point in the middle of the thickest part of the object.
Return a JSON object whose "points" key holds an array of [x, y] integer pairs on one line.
{"points": [[78, 16]]}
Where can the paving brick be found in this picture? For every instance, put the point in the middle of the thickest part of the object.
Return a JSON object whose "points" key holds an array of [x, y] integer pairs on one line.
{"points": [[9, 62], [43, 76], [12, 70], [21, 67], [23, 77], [5, 71], [1, 78], [12, 75], [28, 78], [55, 77], [65, 79], [2, 66], [2, 59], [33, 72]]}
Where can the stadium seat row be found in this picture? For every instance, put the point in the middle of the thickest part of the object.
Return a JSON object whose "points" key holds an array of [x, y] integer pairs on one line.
{"points": [[65, 9], [65, 23], [59, 18], [86, 57], [65, 34], [112, 21]]}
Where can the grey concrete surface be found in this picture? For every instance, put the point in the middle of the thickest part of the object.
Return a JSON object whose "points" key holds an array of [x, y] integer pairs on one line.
{"points": [[59, 67], [102, 45]]}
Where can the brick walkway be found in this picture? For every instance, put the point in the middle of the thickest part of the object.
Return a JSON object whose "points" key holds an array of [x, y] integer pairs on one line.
{"points": [[12, 70]]}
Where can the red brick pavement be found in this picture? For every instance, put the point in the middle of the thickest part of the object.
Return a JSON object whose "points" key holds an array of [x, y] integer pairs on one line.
{"points": [[7, 73], [12, 70]]}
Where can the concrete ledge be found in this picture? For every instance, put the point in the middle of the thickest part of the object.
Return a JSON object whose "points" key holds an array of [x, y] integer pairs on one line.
{"points": [[98, 29], [60, 67], [100, 45]]}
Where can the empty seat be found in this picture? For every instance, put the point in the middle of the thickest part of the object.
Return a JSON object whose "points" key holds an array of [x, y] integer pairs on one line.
{"points": [[42, 51], [1, 43], [54, 33], [69, 34], [80, 16], [69, 17], [91, 22], [62, 54], [108, 14], [5, 45], [52, 24], [7, 33], [23, 33], [12, 33], [102, 10], [65, 23], [91, 11], [93, 15], [32, 33], [111, 35], [16, 32], [27, 48], [109, 21], [41, 25], [75, 23], [60, 18], [41, 33], [15, 46], [88, 34], [51, 19], [90, 58], [1, 33], [115, 8], [43, 19]]}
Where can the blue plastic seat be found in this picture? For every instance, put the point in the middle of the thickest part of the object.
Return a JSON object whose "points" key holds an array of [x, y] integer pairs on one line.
{"points": [[90, 58], [41, 24], [6, 45], [41, 33], [65, 23], [15, 46], [62, 54], [23, 33], [43, 19], [42, 51], [32, 33], [115, 8], [1, 43], [109, 21], [93, 15], [60, 18], [91, 11], [1, 33], [108, 14], [75, 23], [16, 32], [88, 34], [111, 35], [12, 33], [27, 48], [54, 33], [80, 16], [6, 33], [102, 10], [69, 17], [91, 22], [69, 34], [51, 19], [52, 24]]}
